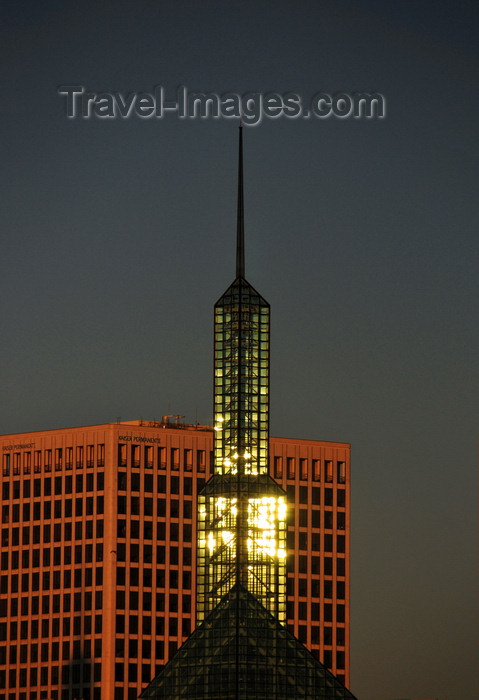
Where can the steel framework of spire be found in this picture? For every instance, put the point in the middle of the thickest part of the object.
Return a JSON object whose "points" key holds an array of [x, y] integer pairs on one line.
{"points": [[241, 511]]}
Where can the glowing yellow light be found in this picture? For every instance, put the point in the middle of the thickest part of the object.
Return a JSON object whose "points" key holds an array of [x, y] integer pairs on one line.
{"points": [[227, 537], [282, 508], [211, 542]]}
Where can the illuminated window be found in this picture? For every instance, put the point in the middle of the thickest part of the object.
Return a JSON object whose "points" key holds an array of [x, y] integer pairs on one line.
{"points": [[290, 467], [188, 459], [6, 465], [161, 457], [278, 467], [328, 468], [201, 460], [121, 454], [303, 469], [175, 458]]}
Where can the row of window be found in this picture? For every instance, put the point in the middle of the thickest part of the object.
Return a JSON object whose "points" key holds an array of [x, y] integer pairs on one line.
{"points": [[134, 648], [312, 495], [311, 564], [42, 460], [48, 486], [80, 554], [308, 517], [131, 554], [306, 496], [146, 626], [136, 529], [326, 638], [46, 628], [74, 652], [86, 578], [133, 456], [327, 470], [69, 508], [164, 507], [26, 559], [73, 673], [311, 611], [132, 579], [144, 481], [66, 694], [45, 510], [312, 542], [300, 587], [75, 578], [129, 672], [84, 602], [55, 604], [136, 601], [48, 580], [61, 532], [326, 657], [332, 471]]}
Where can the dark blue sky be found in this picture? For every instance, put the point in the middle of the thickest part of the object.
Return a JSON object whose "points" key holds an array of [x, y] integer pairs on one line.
{"points": [[118, 236]]}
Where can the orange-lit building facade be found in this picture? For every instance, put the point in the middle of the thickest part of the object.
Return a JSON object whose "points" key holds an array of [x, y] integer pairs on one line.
{"points": [[98, 533]]}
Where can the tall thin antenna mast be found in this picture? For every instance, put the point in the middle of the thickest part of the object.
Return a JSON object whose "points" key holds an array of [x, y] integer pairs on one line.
{"points": [[240, 216]]}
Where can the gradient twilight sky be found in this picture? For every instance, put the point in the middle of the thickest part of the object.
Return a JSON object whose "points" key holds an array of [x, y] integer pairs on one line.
{"points": [[118, 237]]}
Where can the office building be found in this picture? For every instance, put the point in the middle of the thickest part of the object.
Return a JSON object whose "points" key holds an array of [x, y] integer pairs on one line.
{"points": [[98, 556]]}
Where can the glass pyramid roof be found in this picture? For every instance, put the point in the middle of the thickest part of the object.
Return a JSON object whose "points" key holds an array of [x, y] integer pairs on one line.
{"points": [[241, 652]]}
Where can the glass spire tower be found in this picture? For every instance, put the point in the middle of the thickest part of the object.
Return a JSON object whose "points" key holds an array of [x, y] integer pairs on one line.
{"points": [[241, 511], [241, 649]]}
